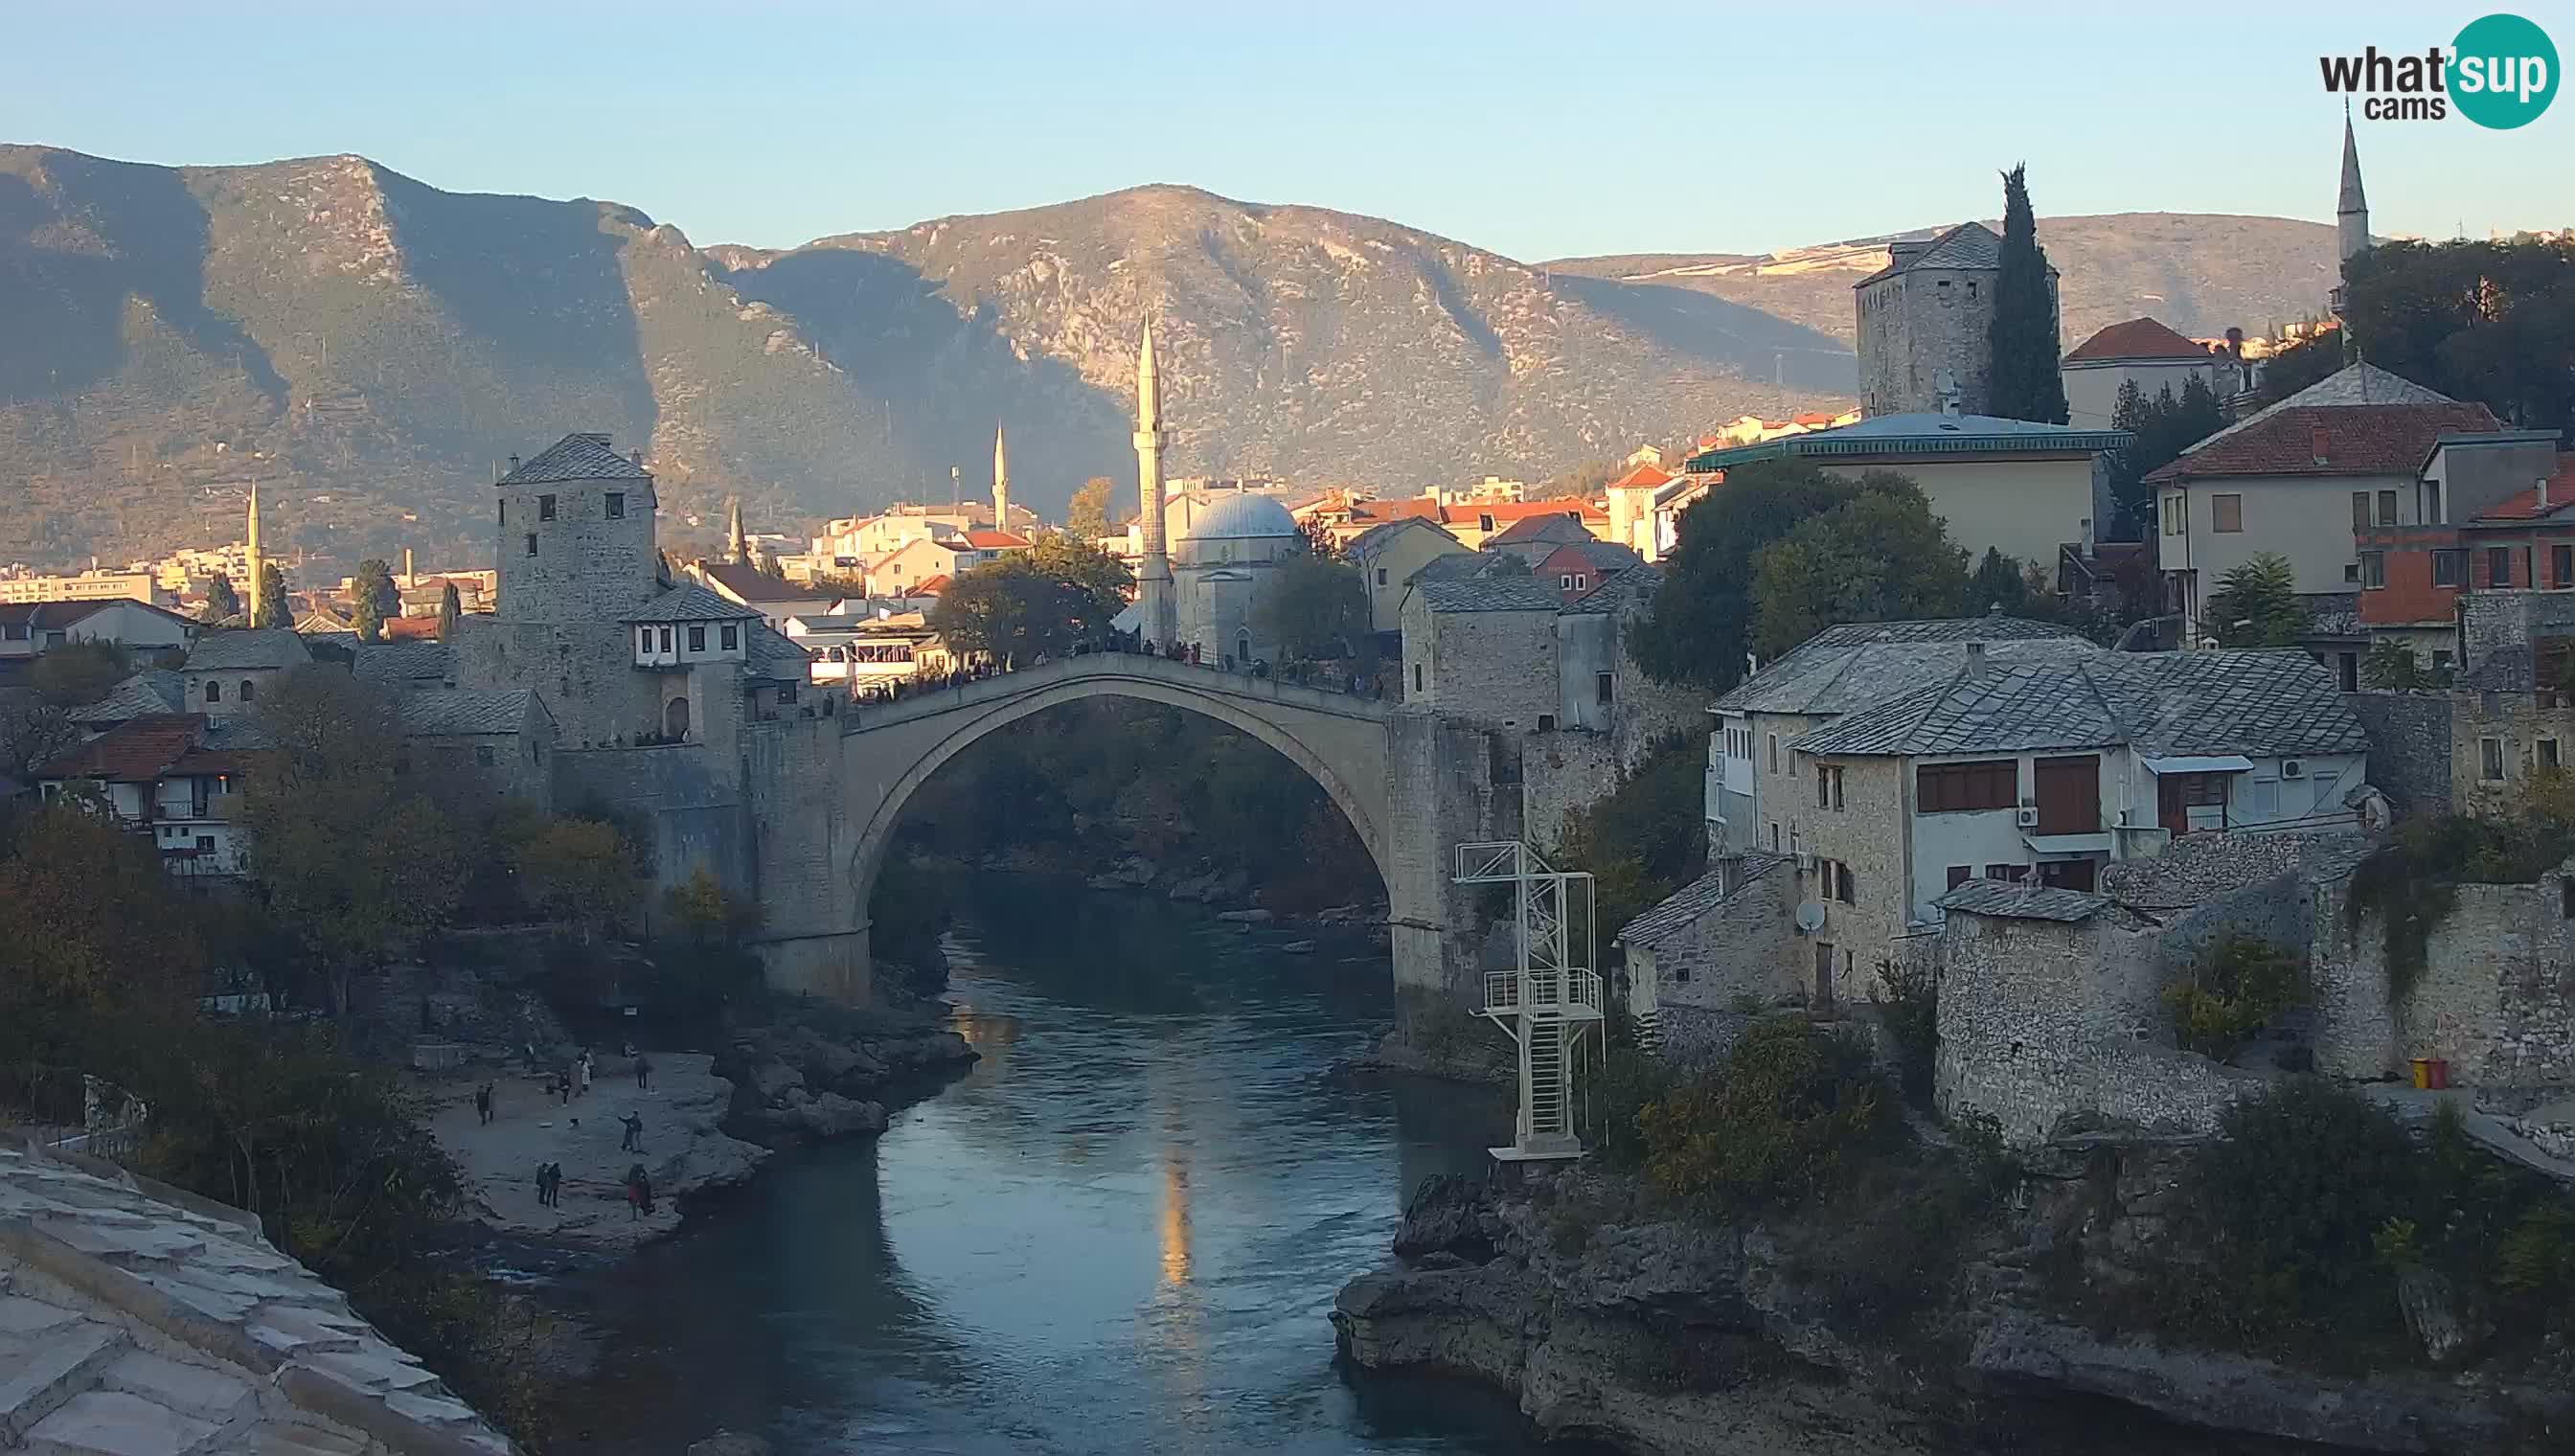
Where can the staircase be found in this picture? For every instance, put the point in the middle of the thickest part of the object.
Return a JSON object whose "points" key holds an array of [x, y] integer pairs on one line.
{"points": [[1550, 1001], [1548, 1114]]}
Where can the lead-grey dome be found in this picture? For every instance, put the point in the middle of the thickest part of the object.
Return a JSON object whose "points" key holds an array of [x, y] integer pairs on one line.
{"points": [[1241, 516]]}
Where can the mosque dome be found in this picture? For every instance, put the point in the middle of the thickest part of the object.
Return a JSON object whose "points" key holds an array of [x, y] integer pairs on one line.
{"points": [[1241, 516]]}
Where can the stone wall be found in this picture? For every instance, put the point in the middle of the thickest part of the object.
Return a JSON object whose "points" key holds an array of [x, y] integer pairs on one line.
{"points": [[583, 672], [2409, 746], [586, 568], [682, 798], [1911, 328], [1495, 668], [803, 849], [1562, 774], [2496, 998], [1445, 790], [2517, 724], [1868, 832], [1742, 948]]}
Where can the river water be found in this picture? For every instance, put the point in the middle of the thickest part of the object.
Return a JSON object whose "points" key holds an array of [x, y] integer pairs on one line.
{"points": [[1121, 1232]]}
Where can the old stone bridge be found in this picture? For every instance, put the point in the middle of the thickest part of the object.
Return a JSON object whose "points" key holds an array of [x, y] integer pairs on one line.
{"points": [[1409, 785]]}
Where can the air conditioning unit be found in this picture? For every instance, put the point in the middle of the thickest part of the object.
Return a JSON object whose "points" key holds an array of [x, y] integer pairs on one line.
{"points": [[2026, 817], [2292, 769]]}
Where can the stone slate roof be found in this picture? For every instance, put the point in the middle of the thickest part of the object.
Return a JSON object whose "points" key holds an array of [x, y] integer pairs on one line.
{"points": [[776, 658], [262, 646], [1461, 565], [404, 664], [2257, 704], [1555, 530], [1968, 245], [104, 1277], [1490, 593], [2513, 667], [689, 602], [449, 712], [2199, 868], [1692, 900], [2022, 901], [1623, 590], [153, 690], [1856, 665], [575, 457]]}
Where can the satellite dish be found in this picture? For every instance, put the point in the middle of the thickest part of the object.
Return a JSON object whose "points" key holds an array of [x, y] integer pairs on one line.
{"points": [[1810, 917]]}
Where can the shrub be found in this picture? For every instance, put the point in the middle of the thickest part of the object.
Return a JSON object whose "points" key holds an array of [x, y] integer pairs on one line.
{"points": [[1774, 1123], [2412, 880], [2246, 982], [1908, 1002]]}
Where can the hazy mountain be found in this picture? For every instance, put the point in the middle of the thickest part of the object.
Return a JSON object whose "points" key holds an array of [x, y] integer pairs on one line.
{"points": [[2198, 271], [371, 346]]}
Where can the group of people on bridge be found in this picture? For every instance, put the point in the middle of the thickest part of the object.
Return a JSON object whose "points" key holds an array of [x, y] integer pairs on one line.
{"points": [[1301, 674]]}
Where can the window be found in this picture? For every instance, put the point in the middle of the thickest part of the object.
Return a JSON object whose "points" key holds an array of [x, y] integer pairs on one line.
{"points": [[1953, 788], [2176, 513], [697, 639], [2441, 660], [2432, 503], [505, 513], [2561, 566], [1775, 752], [666, 639], [2498, 566], [1380, 576], [1546, 723], [2226, 514], [2003, 872], [1775, 836], [2387, 508], [214, 690], [205, 842], [616, 505], [545, 507], [2373, 569], [643, 639], [1485, 522], [483, 754], [2547, 752], [532, 542], [1959, 875], [1416, 677], [1602, 685], [1845, 884], [2490, 760], [732, 637], [2351, 572], [248, 690], [1828, 786], [1564, 583], [1582, 582], [1971, 290], [2448, 568], [785, 693], [2360, 510]]}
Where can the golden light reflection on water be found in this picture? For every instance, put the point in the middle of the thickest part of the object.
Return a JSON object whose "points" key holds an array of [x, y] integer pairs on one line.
{"points": [[1175, 1228]]}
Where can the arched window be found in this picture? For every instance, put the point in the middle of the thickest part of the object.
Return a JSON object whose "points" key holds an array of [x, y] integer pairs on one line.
{"points": [[214, 690], [675, 718], [247, 691], [1243, 648]]}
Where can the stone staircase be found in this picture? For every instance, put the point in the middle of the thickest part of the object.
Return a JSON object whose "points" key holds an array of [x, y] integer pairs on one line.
{"points": [[136, 1321]]}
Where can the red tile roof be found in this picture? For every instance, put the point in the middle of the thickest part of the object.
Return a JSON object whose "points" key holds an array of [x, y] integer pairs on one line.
{"points": [[2528, 505], [138, 751], [1811, 421], [410, 628], [1410, 506], [928, 586], [2330, 439], [996, 539], [1647, 477], [2136, 339]]}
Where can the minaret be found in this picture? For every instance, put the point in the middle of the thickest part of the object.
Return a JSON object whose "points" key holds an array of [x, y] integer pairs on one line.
{"points": [[2351, 211], [1001, 484], [1158, 613], [250, 562], [737, 550]]}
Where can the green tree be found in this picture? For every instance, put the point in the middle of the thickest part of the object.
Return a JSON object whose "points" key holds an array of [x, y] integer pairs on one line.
{"points": [[2026, 384], [581, 871], [2257, 604], [274, 609], [1315, 607], [346, 850], [1089, 516], [2308, 361], [1646, 838], [1883, 556], [2392, 665], [221, 600], [2489, 322], [2166, 426], [1998, 586], [78, 671], [1034, 603], [449, 608], [32, 729], [377, 598], [1700, 628]]}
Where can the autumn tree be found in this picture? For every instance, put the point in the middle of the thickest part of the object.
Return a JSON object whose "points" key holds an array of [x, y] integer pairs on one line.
{"points": [[1092, 514], [2025, 382], [1313, 606], [32, 729], [2309, 362], [82, 671], [1883, 556], [347, 850], [581, 871], [1039, 603], [222, 602]]}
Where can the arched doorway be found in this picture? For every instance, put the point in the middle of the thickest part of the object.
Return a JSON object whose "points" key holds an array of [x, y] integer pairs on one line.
{"points": [[675, 718], [1243, 646]]}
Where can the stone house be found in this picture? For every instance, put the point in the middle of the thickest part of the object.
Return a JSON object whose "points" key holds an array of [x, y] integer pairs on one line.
{"points": [[1723, 942], [1535, 538], [1580, 568], [1483, 648], [1389, 556], [2138, 350], [1925, 321], [173, 776], [492, 742], [225, 670], [2021, 488], [2306, 480]]}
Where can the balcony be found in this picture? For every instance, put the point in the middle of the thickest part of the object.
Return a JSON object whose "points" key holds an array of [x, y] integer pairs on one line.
{"points": [[1572, 996]]}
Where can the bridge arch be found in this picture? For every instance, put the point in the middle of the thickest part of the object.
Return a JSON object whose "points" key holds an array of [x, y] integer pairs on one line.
{"points": [[890, 751]]}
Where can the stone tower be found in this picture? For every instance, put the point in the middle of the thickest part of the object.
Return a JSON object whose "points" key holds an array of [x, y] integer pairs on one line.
{"points": [[2351, 209], [737, 546], [1001, 482], [251, 560], [1158, 614], [576, 543], [1925, 324]]}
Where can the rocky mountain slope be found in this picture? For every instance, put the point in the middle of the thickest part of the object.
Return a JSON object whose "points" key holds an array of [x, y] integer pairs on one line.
{"points": [[370, 347], [2198, 271]]}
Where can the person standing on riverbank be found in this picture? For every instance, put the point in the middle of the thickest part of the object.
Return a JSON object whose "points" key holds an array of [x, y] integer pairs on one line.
{"points": [[483, 1104], [643, 1073], [584, 1072], [634, 1142]]}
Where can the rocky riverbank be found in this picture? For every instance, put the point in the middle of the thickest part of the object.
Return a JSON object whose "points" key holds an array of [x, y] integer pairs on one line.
{"points": [[1201, 882], [827, 1072], [1669, 1335]]}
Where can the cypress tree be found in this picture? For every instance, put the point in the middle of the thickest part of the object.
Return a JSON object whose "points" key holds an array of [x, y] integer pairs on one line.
{"points": [[448, 608], [2026, 385]]}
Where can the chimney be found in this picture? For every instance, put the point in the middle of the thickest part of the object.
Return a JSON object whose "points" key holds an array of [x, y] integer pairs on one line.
{"points": [[513, 465], [2543, 492], [1976, 661], [2320, 442]]}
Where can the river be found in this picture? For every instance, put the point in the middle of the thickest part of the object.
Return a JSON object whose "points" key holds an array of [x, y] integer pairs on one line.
{"points": [[1121, 1232]]}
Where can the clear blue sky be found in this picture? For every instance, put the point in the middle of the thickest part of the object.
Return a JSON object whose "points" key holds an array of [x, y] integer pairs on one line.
{"points": [[1535, 132]]}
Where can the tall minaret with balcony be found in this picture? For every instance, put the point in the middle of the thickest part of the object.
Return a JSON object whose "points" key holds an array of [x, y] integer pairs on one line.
{"points": [[1001, 482], [2351, 223], [1158, 610], [253, 565]]}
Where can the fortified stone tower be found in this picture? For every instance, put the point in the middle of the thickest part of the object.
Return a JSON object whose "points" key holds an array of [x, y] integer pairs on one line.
{"points": [[1927, 322], [1160, 613], [576, 536]]}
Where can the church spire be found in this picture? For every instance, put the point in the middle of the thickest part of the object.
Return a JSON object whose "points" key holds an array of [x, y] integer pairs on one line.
{"points": [[2351, 208], [737, 546], [251, 563], [1001, 482]]}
